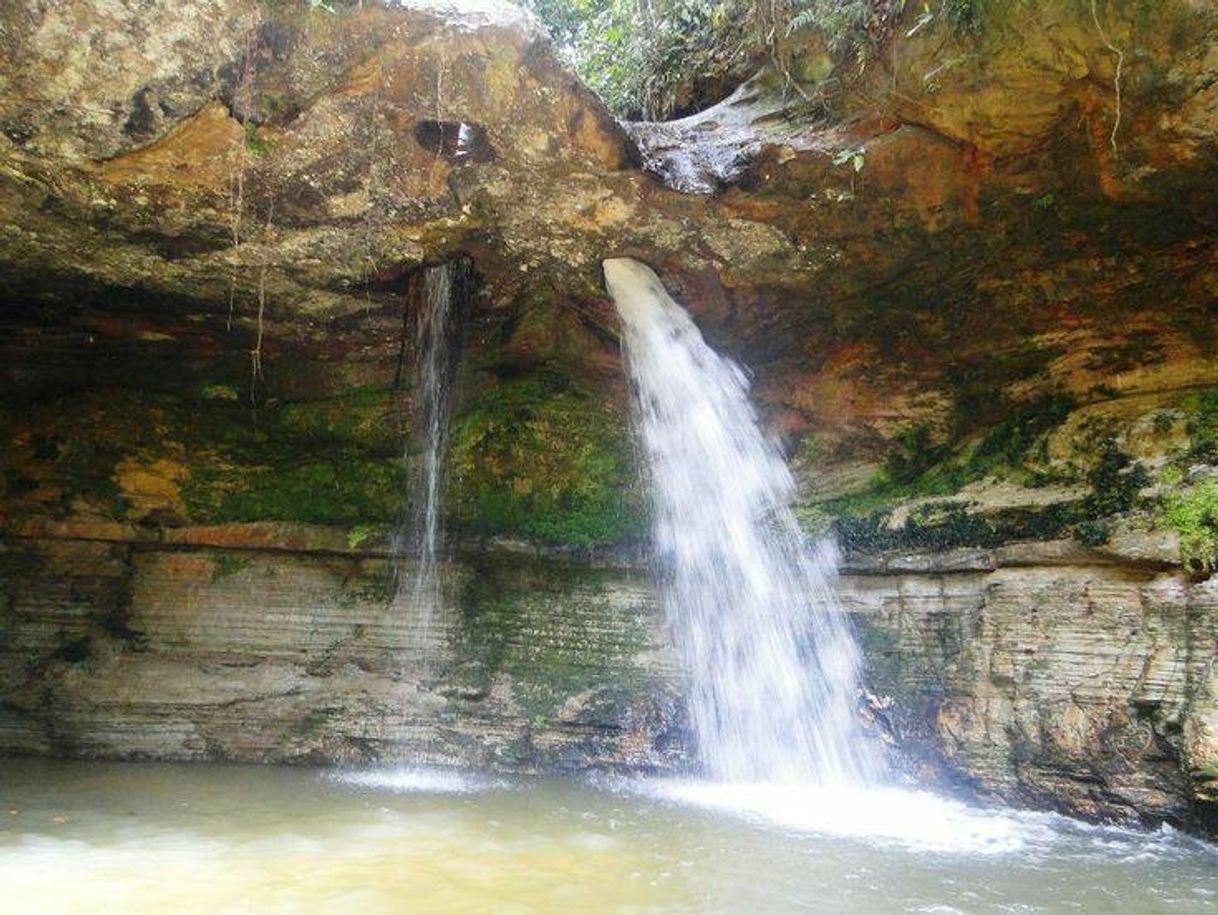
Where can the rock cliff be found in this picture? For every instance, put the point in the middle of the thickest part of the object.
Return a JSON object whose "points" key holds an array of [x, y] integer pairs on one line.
{"points": [[976, 281]]}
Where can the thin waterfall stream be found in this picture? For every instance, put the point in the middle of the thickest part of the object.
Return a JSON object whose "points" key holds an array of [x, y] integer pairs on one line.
{"points": [[772, 664], [437, 337]]}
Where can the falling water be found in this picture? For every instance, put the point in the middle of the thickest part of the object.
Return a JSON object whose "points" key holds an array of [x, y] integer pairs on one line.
{"points": [[432, 385], [772, 662]]}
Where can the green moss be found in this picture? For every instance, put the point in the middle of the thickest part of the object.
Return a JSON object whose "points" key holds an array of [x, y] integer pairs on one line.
{"points": [[1207, 773], [914, 456], [85, 469], [536, 459], [336, 460], [312, 724], [1202, 426], [366, 415], [330, 461], [362, 534], [219, 392], [340, 486], [1009, 442], [919, 468], [1193, 514], [226, 565], [255, 144], [862, 521], [508, 627]]}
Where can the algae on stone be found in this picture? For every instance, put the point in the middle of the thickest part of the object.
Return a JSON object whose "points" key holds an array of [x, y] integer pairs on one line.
{"points": [[542, 460]]}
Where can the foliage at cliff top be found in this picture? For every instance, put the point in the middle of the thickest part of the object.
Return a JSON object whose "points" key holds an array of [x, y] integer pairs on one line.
{"points": [[651, 59], [642, 56]]}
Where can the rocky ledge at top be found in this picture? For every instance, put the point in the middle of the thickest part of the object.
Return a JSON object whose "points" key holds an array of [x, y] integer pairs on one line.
{"points": [[963, 199]]}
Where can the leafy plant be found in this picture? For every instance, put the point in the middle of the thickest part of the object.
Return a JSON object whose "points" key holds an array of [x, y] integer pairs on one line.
{"points": [[845, 24], [1202, 428], [362, 533], [643, 56], [1193, 514], [1115, 481]]}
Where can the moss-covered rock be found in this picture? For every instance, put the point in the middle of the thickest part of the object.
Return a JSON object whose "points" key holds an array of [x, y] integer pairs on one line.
{"points": [[541, 459], [163, 458]]}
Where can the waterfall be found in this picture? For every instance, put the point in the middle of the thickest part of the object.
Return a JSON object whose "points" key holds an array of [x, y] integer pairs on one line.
{"points": [[435, 344], [770, 655]]}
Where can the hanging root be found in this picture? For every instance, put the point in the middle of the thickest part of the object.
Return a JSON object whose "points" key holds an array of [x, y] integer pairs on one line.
{"points": [[256, 352], [1116, 79]]}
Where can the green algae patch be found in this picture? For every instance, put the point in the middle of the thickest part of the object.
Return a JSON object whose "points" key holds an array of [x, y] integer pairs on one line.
{"points": [[944, 516], [543, 462], [918, 466], [209, 459], [331, 461], [509, 626], [533, 459], [366, 415]]}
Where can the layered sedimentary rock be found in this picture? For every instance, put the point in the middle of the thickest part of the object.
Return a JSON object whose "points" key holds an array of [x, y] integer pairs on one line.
{"points": [[979, 310], [1047, 675], [273, 645]]}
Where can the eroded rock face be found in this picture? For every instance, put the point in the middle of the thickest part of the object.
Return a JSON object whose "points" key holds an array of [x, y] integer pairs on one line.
{"points": [[1062, 681], [85, 82], [985, 332], [280, 644]]}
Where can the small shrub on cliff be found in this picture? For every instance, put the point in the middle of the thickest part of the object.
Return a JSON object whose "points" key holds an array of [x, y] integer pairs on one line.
{"points": [[1092, 532], [1115, 482], [1193, 514], [1202, 428]]}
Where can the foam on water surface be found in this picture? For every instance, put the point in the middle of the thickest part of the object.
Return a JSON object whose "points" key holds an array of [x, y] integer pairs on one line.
{"points": [[144, 838], [418, 780], [917, 820]]}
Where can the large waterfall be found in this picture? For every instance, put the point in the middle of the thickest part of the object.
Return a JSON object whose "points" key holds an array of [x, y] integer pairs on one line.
{"points": [[771, 658]]}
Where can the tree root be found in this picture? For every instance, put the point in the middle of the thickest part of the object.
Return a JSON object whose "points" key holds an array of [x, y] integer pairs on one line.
{"points": [[1116, 79]]}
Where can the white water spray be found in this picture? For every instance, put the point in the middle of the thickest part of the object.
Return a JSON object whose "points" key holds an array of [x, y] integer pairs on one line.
{"points": [[771, 659]]}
